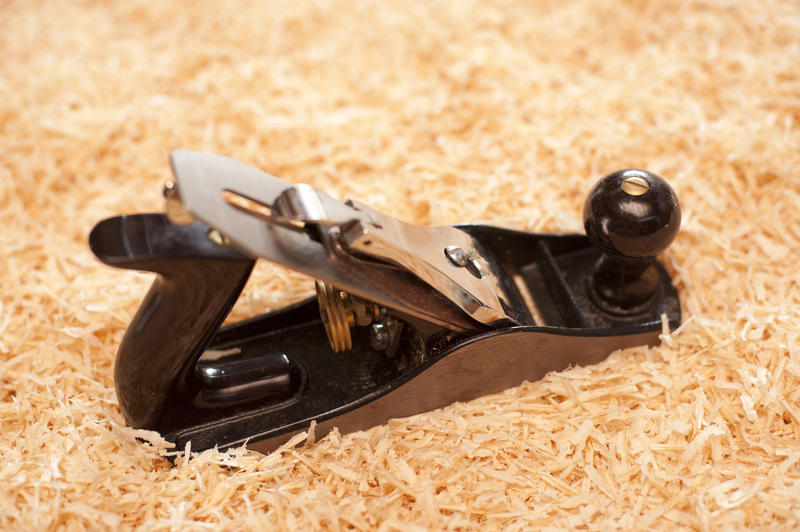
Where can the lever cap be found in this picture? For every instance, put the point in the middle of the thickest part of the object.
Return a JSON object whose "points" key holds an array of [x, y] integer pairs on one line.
{"points": [[631, 215]]}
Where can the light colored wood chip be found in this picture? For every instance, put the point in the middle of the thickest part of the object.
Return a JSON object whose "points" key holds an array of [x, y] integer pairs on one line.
{"points": [[437, 113]]}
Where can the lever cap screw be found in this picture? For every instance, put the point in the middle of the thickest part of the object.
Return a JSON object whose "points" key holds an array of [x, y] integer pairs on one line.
{"points": [[457, 256]]}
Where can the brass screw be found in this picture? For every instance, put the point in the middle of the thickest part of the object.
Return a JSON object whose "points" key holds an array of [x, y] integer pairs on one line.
{"points": [[635, 185]]}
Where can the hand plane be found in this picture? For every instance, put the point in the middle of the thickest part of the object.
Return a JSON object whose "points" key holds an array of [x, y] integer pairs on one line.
{"points": [[406, 318]]}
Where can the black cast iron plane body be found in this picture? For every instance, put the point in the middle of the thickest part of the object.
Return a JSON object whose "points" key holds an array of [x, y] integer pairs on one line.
{"points": [[266, 379]]}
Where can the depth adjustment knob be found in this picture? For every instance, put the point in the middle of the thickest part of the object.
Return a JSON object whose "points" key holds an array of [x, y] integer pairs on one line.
{"points": [[630, 216]]}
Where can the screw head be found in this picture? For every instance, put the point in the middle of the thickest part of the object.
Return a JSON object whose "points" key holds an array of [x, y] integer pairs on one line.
{"points": [[457, 256]]}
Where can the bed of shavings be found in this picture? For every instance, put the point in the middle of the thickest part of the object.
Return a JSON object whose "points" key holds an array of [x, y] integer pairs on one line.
{"points": [[502, 112]]}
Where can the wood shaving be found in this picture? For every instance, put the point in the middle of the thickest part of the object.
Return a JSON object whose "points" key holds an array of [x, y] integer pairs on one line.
{"points": [[434, 112]]}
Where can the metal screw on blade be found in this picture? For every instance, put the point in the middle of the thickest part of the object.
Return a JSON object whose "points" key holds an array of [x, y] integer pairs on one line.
{"points": [[460, 258], [456, 255]]}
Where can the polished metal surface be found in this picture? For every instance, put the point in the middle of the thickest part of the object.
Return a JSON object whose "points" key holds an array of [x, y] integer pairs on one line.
{"points": [[366, 236], [205, 178], [415, 248], [456, 256]]}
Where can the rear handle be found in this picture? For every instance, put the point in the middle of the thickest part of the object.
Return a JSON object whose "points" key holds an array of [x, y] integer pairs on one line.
{"points": [[197, 284]]}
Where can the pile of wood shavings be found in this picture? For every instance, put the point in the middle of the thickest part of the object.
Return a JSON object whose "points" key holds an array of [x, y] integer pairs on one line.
{"points": [[435, 113]]}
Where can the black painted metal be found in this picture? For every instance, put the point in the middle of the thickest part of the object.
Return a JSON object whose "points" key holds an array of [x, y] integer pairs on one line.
{"points": [[162, 386]]}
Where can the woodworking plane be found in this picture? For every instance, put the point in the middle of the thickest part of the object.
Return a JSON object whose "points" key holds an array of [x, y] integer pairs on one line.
{"points": [[406, 318]]}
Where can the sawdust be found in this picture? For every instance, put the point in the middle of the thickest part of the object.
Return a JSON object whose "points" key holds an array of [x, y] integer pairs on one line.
{"points": [[435, 113]]}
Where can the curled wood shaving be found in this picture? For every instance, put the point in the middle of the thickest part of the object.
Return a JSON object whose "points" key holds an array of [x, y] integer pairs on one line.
{"points": [[436, 113]]}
